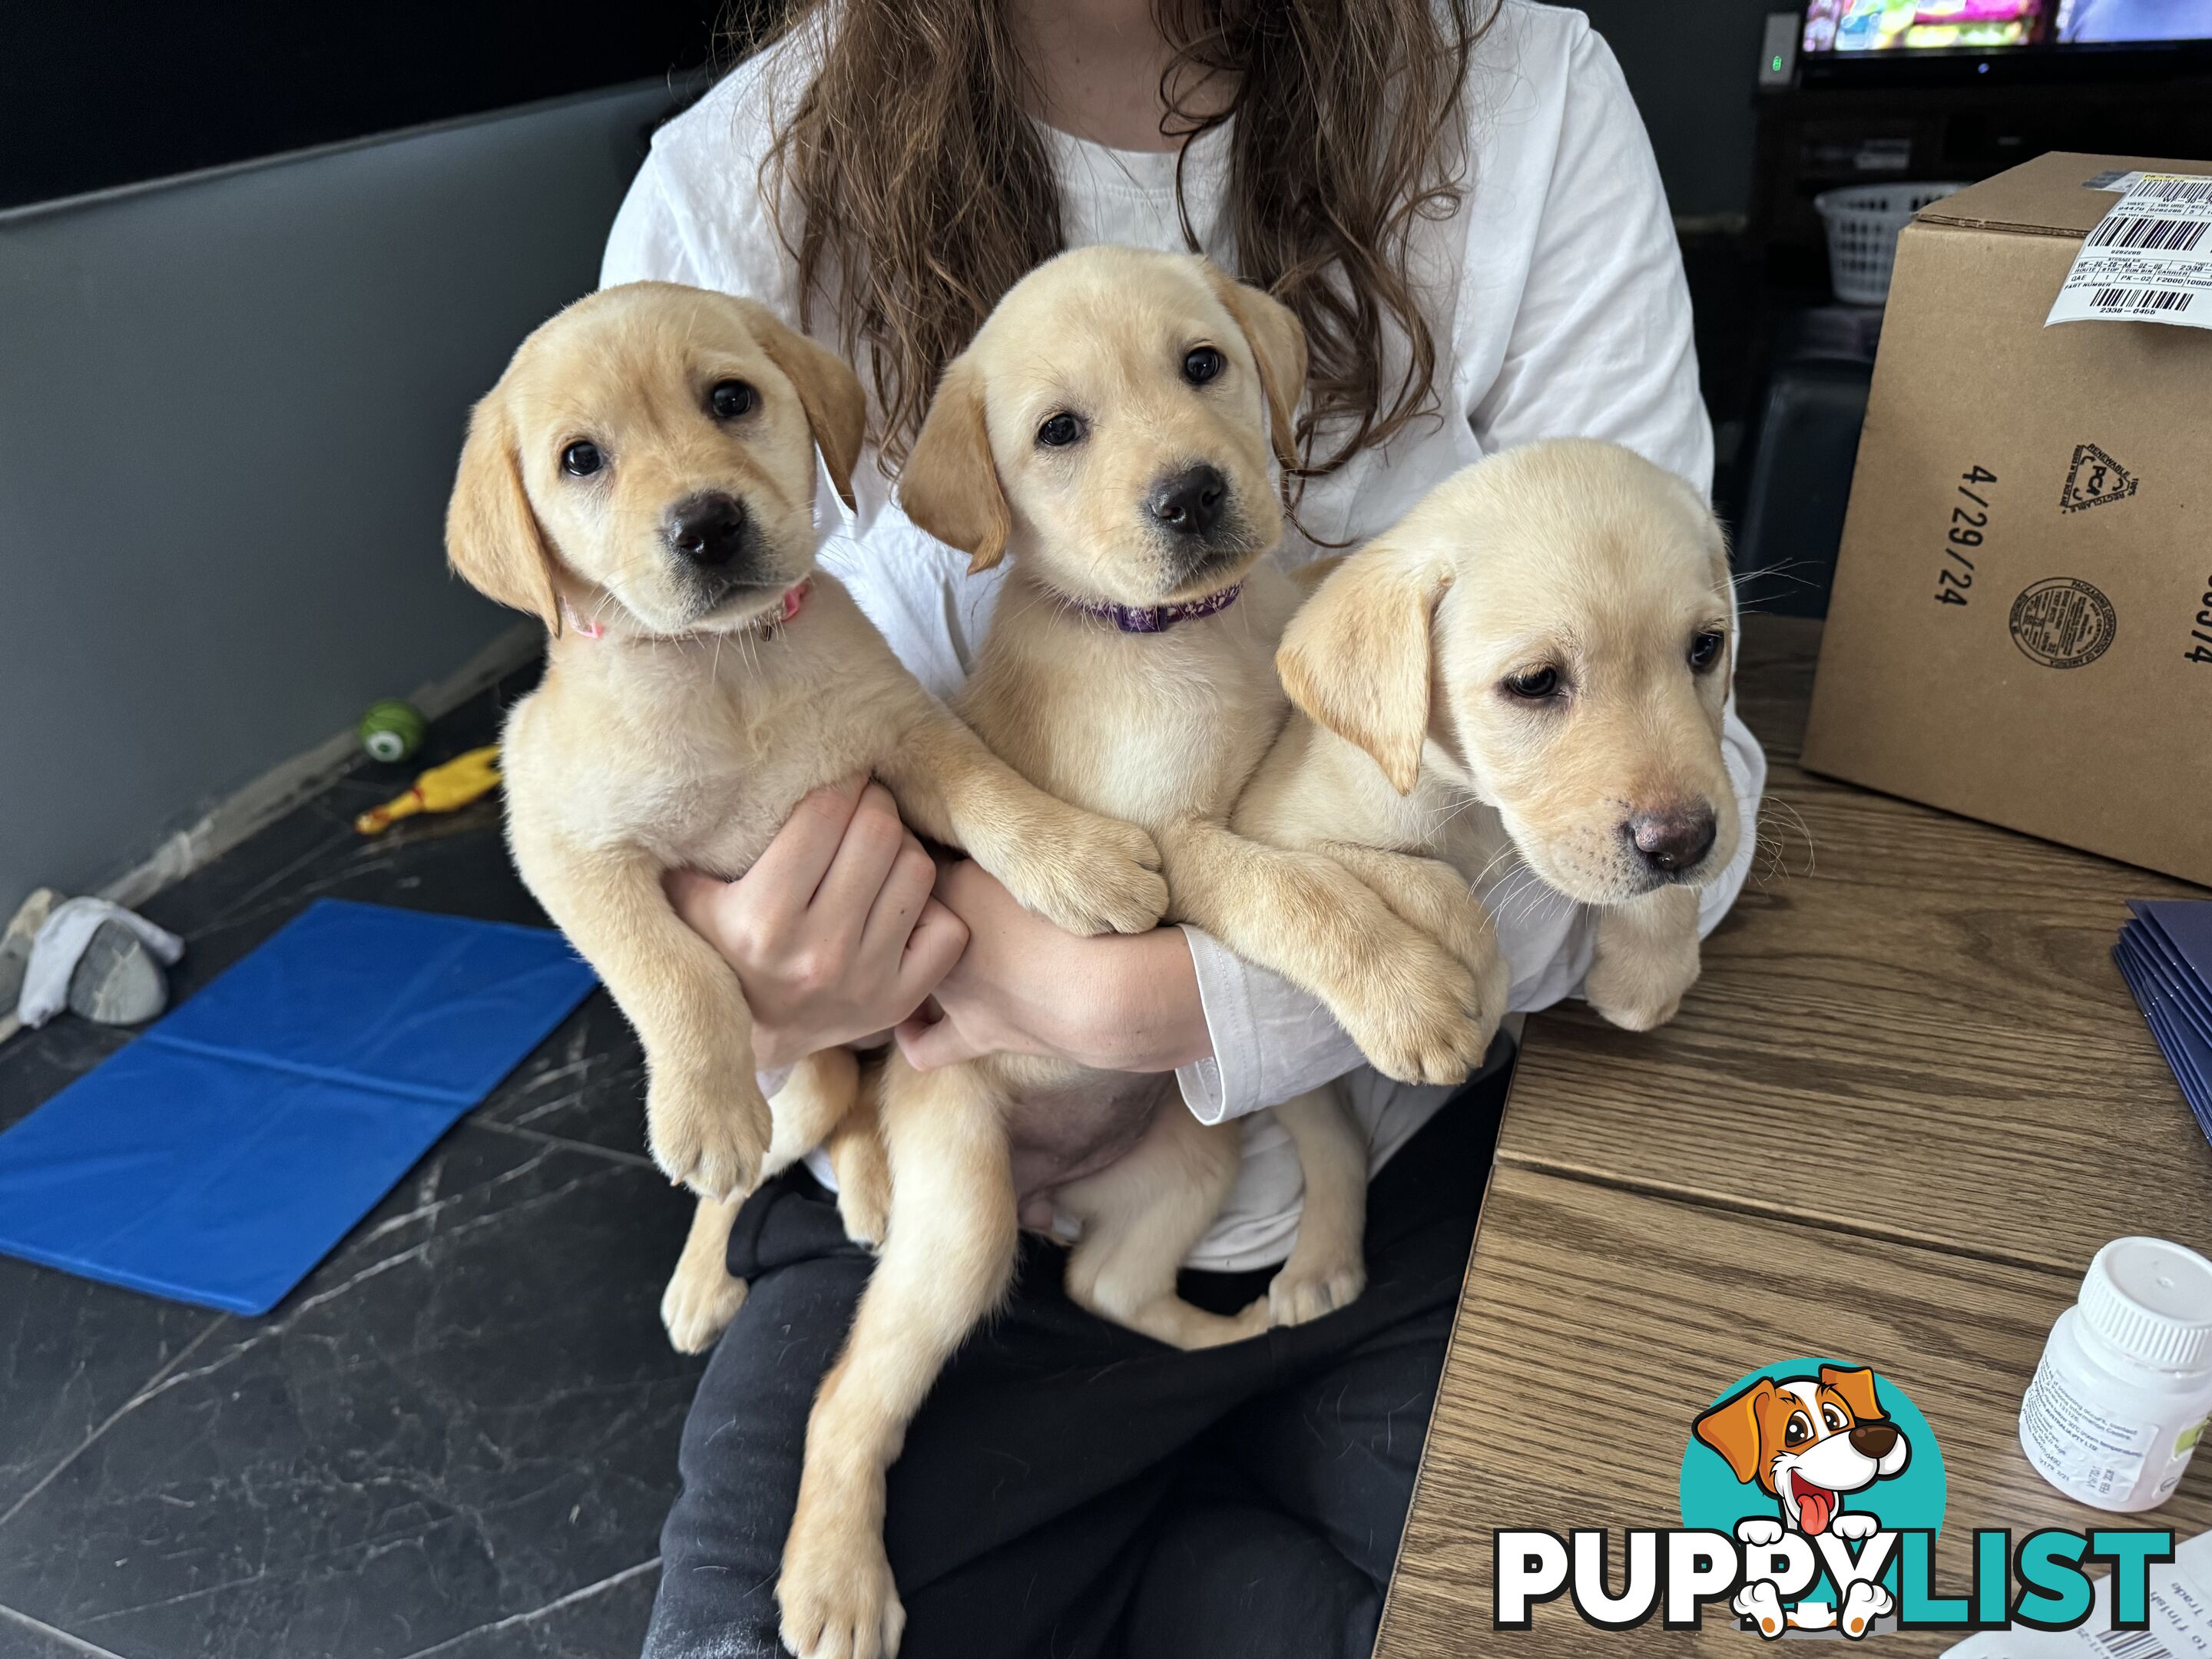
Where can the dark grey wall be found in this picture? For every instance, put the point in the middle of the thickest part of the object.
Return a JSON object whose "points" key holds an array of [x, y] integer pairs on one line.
{"points": [[229, 409], [1693, 65]]}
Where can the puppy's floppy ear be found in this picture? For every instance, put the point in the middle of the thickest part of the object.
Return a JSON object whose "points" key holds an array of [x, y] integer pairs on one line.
{"points": [[837, 409], [1731, 1429], [1278, 340], [1857, 1387], [1357, 656], [493, 540], [950, 484]]}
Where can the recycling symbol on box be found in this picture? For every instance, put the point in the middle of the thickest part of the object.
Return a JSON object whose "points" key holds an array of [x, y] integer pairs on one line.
{"points": [[2095, 479]]}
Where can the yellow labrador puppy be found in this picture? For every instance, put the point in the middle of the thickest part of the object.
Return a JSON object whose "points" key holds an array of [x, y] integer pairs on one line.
{"points": [[642, 479], [1546, 634], [1109, 430]]}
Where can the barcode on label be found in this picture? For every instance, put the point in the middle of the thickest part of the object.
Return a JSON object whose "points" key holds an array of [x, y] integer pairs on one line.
{"points": [[2196, 191], [2171, 235], [2140, 299], [2129, 1644]]}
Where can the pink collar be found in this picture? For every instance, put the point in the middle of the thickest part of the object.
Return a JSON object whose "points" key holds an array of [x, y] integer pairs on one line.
{"points": [[793, 598]]}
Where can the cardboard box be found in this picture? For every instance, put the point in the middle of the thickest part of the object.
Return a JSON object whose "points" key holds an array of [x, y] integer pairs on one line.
{"points": [[2020, 628]]}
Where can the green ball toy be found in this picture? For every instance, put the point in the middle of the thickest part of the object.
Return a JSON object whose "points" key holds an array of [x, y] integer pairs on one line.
{"points": [[390, 730]]}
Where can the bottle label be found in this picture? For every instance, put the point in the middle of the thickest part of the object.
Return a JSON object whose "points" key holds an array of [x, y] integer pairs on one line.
{"points": [[2185, 1448], [2078, 1449]]}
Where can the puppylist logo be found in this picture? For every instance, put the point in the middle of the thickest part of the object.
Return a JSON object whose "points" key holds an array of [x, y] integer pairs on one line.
{"points": [[1834, 1464], [1812, 1492]]}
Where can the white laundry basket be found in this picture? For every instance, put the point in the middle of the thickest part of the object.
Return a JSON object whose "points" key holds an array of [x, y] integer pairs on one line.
{"points": [[1862, 222]]}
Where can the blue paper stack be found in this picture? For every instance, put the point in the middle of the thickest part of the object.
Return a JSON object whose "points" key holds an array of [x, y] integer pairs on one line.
{"points": [[2165, 956]]}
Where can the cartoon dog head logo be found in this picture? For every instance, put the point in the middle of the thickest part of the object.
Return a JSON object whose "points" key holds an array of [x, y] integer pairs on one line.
{"points": [[1807, 1442]]}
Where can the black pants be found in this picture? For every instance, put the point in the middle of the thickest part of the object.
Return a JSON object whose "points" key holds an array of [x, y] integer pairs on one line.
{"points": [[1071, 1489]]}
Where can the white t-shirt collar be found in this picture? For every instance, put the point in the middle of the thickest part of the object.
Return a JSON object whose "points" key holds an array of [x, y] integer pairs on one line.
{"points": [[1139, 172]]}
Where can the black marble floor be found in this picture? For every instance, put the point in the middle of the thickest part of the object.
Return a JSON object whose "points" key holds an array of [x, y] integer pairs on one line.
{"points": [[456, 1437]]}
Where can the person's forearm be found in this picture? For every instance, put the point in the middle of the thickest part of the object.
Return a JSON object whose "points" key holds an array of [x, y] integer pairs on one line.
{"points": [[1145, 1014]]}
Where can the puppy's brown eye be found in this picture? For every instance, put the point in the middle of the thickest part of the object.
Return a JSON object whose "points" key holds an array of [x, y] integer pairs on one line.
{"points": [[1705, 650], [581, 460], [1533, 684], [1061, 430], [1797, 1431], [1202, 363], [731, 399]]}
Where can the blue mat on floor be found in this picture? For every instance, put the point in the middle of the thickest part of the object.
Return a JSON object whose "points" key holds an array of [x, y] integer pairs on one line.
{"points": [[219, 1157]]}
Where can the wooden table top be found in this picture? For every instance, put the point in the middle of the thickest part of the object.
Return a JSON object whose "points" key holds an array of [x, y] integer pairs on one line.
{"points": [[1907, 1101]]}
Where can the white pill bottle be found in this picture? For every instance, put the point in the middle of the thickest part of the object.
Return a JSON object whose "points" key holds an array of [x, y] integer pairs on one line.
{"points": [[2113, 1415]]}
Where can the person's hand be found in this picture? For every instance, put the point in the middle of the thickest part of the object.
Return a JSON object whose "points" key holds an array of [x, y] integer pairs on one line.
{"points": [[832, 933], [1118, 1002]]}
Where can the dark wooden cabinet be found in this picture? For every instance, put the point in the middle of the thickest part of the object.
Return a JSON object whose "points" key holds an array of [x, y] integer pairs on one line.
{"points": [[1816, 138]]}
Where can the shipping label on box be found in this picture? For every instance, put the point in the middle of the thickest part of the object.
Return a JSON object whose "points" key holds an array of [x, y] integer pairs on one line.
{"points": [[2020, 628], [2148, 259]]}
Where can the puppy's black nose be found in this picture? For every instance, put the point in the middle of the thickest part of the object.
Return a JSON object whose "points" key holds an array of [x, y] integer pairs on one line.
{"points": [[708, 530], [1675, 838], [1873, 1439], [1190, 503]]}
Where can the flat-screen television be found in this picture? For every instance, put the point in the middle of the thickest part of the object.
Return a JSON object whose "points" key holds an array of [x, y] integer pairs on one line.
{"points": [[1868, 40]]}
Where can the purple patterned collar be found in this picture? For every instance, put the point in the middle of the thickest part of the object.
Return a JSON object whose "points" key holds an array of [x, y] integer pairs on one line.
{"points": [[1158, 618]]}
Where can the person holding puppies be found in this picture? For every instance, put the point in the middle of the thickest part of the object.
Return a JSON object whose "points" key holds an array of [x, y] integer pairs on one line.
{"points": [[1457, 201]]}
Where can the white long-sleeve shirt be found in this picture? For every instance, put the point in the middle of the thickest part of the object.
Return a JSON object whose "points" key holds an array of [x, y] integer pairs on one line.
{"points": [[1556, 298]]}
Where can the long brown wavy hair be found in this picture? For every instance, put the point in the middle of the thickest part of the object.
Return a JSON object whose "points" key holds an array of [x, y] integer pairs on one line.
{"points": [[923, 190]]}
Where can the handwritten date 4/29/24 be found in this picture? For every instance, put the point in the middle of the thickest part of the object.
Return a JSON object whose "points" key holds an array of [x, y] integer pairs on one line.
{"points": [[1970, 520]]}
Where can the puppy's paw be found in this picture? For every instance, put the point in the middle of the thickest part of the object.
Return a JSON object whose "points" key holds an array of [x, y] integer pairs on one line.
{"points": [[1852, 1523], [699, 1303], [837, 1594], [1306, 1290], [1863, 1603], [710, 1139], [1427, 1026], [1644, 958], [1640, 985], [1760, 1602], [1460, 924], [1430, 895], [1090, 875], [1757, 1530]]}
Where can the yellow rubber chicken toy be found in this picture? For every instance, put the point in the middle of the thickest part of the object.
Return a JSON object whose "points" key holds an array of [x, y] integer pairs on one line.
{"points": [[442, 789]]}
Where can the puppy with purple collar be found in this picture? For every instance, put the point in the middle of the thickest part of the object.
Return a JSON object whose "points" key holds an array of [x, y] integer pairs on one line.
{"points": [[1109, 432]]}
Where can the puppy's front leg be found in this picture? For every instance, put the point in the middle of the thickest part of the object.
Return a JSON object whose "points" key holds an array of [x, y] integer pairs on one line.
{"points": [[1646, 959], [1415, 1012], [821, 1103], [1083, 872], [1432, 895], [706, 1121], [944, 1266]]}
